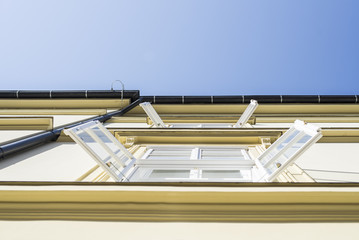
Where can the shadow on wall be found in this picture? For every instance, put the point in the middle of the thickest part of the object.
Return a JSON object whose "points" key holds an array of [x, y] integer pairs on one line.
{"points": [[16, 158], [333, 176]]}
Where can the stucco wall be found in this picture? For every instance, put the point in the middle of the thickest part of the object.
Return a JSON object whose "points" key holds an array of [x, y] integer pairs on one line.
{"points": [[50, 162], [331, 162], [14, 230]]}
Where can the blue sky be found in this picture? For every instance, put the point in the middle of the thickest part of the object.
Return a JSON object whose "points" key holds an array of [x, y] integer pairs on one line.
{"points": [[181, 47]]}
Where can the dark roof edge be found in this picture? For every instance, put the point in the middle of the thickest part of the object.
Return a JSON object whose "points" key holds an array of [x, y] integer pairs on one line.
{"points": [[58, 94], [339, 99], [135, 94]]}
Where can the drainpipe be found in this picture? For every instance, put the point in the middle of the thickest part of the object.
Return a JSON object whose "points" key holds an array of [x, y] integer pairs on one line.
{"points": [[28, 142]]}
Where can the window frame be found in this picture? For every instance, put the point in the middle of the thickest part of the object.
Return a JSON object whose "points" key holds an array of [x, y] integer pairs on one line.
{"points": [[194, 163], [115, 163], [300, 129], [158, 122]]}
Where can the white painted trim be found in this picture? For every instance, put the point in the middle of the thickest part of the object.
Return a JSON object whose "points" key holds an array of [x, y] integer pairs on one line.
{"points": [[246, 114]]}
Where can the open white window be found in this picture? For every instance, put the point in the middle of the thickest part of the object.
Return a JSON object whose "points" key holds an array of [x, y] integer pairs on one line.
{"points": [[193, 164], [157, 121], [103, 147], [247, 114], [223, 164], [283, 152], [152, 114]]}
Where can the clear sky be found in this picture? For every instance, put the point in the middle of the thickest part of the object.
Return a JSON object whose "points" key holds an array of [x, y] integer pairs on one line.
{"points": [[181, 47]]}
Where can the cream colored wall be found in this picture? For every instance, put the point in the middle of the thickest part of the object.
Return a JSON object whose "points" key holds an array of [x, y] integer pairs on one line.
{"points": [[39, 230], [331, 162], [127, 125], [322, 125], [7, 135], [49, 162], [67, 119]]}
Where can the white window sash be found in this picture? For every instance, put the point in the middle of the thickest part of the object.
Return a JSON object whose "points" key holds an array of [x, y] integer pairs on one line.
{"points": [[194, 163], [269, 159], [117, 162], [157, 121], [152, 114], [246, 114], [194, 175]]}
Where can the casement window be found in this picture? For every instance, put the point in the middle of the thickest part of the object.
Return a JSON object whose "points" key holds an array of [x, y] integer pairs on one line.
{"points": [[283, 152], [193, 163], [157, 121], [103, 147], [153, 115]]}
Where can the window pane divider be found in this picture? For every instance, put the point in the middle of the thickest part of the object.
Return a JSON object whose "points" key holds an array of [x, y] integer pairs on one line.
{"points": [[264, 173], [107, 149], [115, 169], [92, 153], [276, 143], [285, 148]]}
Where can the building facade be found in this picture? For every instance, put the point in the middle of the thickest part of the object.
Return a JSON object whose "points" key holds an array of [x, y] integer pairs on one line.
{"points": [[187, 164]]}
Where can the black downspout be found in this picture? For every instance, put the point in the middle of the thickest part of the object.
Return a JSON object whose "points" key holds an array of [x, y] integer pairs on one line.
{"points": [[25, 143]]}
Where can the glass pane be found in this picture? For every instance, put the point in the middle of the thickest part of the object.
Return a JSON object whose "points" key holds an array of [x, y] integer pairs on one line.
{"points": [[279, 147], [296, 146], [85, 137], [170, 154], [170, 157], [221, 174], [222, 158], [94, 146], [165, 173], [225, 154], [288, 153]]}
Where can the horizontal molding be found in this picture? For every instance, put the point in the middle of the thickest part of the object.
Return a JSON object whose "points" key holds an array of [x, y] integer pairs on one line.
{"points": [[181, 204], [63, 103], [26, 123], [202, 119], [262, 109], [221, 136], [310, 119], [52, 111]]}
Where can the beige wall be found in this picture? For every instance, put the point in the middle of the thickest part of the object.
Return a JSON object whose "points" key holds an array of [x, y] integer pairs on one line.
{"points": [[7, 135], [39, 230], [331, 162], [50, 162]]}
